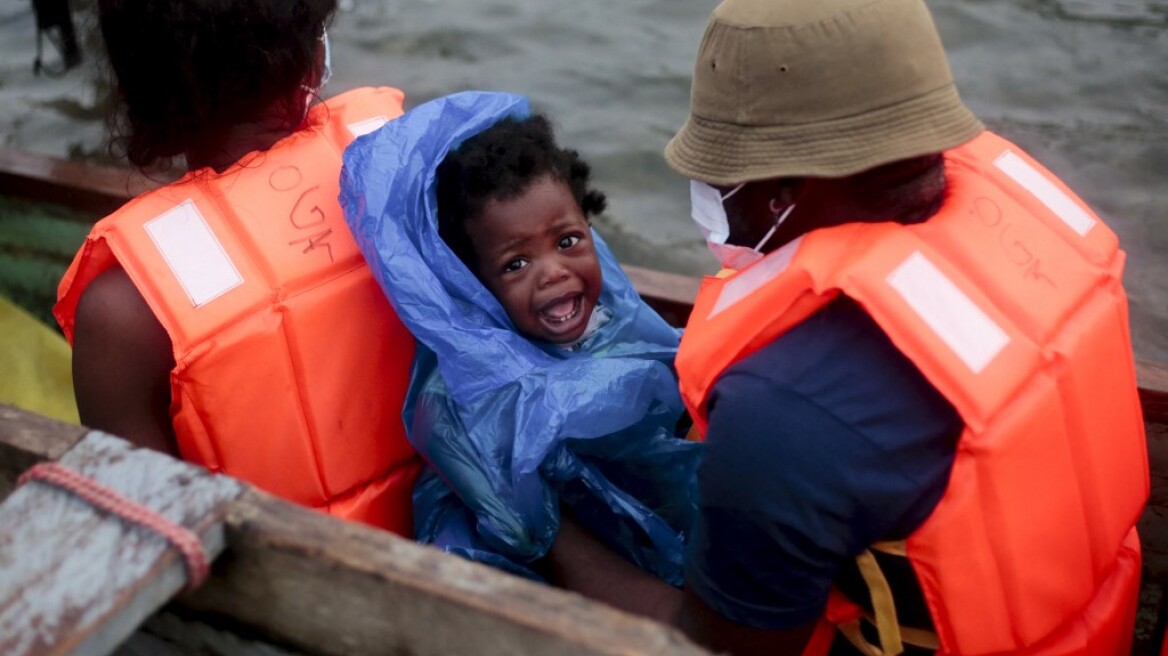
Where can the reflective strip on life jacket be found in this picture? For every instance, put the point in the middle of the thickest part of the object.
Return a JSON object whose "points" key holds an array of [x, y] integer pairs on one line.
{"points": [[290, 365], [1010, 303]]}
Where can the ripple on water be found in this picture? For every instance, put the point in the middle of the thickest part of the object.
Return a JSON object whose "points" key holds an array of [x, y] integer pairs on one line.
{"points": [[449, 44], [1125, 12]]}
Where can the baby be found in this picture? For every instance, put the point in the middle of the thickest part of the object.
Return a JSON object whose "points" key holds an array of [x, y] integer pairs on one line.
{"points": [[542, 383], [515, 209]]}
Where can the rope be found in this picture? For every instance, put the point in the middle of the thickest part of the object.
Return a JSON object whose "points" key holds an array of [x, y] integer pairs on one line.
{"points": [[104, 498]]}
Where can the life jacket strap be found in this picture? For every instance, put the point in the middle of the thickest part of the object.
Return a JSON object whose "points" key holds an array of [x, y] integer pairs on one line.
{"points": [[893, 636], [893, 548]]}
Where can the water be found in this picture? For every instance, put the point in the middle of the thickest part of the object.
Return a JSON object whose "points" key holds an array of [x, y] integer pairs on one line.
{"points": [[1081, 84]]}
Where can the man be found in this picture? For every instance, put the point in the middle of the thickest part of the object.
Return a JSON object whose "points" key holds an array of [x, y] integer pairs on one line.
{"points": [[925, 343]]}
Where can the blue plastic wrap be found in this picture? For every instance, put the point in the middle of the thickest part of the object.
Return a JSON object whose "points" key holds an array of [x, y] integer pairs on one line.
{"points": [[512, 427]]}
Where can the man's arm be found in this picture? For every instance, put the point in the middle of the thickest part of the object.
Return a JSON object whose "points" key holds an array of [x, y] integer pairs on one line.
{"points": [[122, 360], [579, 562], [721, 635]]}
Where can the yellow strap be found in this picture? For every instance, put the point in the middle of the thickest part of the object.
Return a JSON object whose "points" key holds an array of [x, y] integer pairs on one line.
{"points": [[895, 548], [694, 435], [892, 635], [886, 623], [725, 273], [852, 632], [922, 638]]}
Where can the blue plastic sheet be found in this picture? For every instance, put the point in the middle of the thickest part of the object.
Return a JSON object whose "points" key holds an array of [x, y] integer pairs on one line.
{"points": [[512, 428]]}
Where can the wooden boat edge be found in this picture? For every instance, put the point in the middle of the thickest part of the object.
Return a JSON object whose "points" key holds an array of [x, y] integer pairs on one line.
{"points": [[309, 581]]}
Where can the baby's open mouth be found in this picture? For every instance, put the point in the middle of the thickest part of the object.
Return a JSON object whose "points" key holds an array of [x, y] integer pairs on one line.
{"points": [[562, 310]]}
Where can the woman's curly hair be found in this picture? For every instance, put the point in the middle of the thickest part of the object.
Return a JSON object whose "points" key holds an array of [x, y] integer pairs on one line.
{"points": [[186, 72], [500, 164]]}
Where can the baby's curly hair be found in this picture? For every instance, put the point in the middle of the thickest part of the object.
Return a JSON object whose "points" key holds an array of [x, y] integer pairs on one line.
{"points": [[500, 164]]}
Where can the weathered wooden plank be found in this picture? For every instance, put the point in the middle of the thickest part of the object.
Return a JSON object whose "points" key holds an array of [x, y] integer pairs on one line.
{"points": [[26, 439], [1153, 382], [101, 189], [319, 585], [171, 633], [325, 586], [670, 294], [76, 580]]}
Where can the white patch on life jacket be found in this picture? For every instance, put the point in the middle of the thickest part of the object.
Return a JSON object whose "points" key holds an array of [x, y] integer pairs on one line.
{"points": [[1063, 206], [193, 253], [368, 125], [746, 283], [948, 311]]}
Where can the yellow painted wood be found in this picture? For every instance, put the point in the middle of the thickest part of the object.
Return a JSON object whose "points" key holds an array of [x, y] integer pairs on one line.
{"points": [[35, 366]]}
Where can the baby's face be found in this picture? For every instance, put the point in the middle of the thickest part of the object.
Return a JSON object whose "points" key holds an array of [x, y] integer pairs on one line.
{"points": [[536, 256]]}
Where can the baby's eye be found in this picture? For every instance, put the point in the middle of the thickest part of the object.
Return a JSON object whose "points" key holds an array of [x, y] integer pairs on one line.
{"points": [[514, 265], [568, 241]]}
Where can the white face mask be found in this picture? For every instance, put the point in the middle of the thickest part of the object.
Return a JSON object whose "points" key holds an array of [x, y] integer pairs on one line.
{"points": [[709, 212], [326, 73]]}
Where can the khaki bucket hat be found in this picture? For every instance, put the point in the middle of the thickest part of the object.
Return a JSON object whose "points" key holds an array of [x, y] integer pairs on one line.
{"points": [[823, 88]]}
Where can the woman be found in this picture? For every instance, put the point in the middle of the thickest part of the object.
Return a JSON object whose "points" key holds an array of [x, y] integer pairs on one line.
{"points": [[228, 317]]}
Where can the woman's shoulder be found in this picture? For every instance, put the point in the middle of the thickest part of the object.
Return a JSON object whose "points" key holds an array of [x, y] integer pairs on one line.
{"points": [[122, 358]]}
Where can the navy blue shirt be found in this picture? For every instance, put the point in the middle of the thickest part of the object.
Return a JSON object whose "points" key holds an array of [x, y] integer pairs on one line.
{"points": [[819, 444]]}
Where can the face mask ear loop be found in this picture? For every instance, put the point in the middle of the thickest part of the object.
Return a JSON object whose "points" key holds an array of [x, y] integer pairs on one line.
{"points": [[770, 233], [326, 67], [733, 191]]}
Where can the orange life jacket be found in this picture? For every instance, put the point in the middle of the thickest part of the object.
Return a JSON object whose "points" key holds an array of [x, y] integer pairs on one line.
{"points": [[1009, 301], [290, 365]]}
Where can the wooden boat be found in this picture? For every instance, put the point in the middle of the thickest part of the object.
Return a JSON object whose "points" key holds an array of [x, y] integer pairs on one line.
{"points": [[289, 580]]}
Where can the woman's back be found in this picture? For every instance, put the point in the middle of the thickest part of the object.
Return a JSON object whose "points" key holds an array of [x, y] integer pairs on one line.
{"points": [[224, 316]]}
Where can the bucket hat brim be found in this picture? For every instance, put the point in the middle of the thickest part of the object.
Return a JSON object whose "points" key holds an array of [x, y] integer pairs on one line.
{"points": [[729, 154]]}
